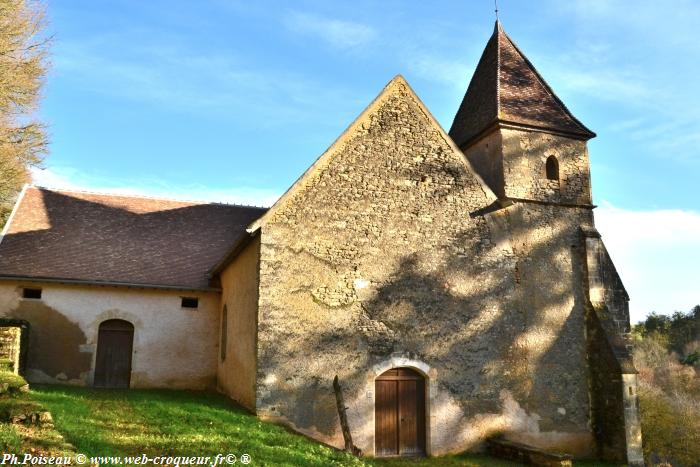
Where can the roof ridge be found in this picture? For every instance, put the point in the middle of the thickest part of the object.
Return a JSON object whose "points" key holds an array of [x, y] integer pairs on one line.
{"points": [[522, 96], [542, 81], [496, 31], [151, 197]]}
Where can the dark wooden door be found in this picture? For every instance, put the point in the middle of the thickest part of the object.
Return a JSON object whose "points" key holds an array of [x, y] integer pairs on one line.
{"points": [[113, 360], [400, 413]]}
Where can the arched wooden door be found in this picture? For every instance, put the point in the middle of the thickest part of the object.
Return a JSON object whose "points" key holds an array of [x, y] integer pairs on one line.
{"points": [[399, 422], [113, 361]]}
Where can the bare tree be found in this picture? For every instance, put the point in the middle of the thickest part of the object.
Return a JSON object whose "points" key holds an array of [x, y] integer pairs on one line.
{"points": [[23, 66]]}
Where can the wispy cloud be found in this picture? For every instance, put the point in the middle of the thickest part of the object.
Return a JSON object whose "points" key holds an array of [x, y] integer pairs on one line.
{"points": [[440, 69], [337, 33], [67, 178], [614, 85], [641, 58], [191, 81], [657, 253], [660, 25]]}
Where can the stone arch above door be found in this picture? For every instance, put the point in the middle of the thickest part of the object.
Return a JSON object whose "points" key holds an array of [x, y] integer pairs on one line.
{"points": [[395, 361]]}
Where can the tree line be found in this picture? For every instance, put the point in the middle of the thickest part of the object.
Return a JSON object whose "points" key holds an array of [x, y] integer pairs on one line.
{"points": [[679, 333]]}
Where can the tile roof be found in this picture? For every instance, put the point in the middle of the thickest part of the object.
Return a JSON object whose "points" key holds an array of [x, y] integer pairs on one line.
{"points": [[104, 238], [507, 88]]}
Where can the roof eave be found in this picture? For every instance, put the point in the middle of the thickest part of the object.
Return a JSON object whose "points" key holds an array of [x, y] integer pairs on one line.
{"points": [[130, 285], [505, 124], [238, 246]]}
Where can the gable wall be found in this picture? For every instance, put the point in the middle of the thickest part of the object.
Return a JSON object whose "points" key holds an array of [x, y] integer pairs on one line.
{"points": [[376, 261], [239, 281], [174, 347]]}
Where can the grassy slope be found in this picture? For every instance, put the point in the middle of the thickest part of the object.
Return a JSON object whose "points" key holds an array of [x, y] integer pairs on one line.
{"points": [[161, 422], [102, 422]]}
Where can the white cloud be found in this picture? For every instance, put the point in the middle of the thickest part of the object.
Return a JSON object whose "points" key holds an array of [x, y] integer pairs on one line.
{"points": [[606, 84], [338, 33], [67, 178], [51, 179], [442, 70], [657, 254]]}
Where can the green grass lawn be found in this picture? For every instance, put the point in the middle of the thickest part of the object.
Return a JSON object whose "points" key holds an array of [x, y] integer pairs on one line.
{"points": [[172, 423]]}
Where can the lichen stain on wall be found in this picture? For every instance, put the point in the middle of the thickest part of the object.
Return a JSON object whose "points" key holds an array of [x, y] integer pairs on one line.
{"points": [[54, 341]]}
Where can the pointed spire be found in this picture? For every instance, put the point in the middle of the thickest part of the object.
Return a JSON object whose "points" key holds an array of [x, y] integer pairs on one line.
{"points": [[507, 89]]}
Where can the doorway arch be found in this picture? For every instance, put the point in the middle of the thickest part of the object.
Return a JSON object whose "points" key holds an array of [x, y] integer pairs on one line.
{"points": [[400, 423], [115, 343]]}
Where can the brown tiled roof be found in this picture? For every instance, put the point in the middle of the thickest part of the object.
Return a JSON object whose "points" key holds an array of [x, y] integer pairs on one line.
{"points": [[105, 238], [507, 88]]}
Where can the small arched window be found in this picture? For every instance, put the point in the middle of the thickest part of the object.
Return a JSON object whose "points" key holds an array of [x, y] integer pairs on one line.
{"points": [[552, 168], [224, 333]]}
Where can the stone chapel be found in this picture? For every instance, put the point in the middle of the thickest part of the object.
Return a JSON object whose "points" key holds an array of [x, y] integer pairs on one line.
{"points": [[454, 282]]}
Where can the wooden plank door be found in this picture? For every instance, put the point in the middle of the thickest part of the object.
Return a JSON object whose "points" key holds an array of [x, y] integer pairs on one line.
{"points": [[113, 360], [386, 419], [400, 413]]}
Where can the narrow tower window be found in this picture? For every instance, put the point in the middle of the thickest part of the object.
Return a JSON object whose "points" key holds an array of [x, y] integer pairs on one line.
{"points": [[552, 168]]}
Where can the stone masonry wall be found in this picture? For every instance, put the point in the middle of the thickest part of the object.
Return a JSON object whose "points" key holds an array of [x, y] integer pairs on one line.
{"points": [[550, 295], [616, 420], [486, 157], [10, 347], [524, 157], [393, 253]]}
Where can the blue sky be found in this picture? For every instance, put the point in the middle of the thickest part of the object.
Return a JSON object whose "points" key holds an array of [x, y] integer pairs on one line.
{"points": [[232, 100]]}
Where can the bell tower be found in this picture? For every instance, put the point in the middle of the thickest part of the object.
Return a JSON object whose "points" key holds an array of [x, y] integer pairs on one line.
{"points": [[517, 134], [532, 152]]}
